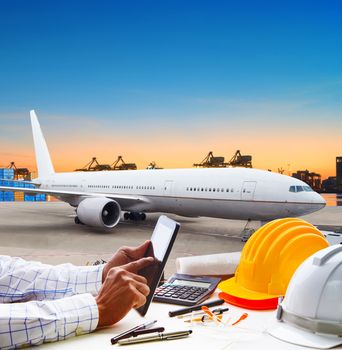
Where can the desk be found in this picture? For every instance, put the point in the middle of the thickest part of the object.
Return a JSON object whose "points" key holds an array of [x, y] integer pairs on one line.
{"points": [[249, 334]]}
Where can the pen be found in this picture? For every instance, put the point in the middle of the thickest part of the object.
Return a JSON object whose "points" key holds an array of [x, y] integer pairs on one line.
{"points": [[204, 318], [146, 331], [128, 333], [158, 337], [211, 315], [217, 311], [195, 308]]}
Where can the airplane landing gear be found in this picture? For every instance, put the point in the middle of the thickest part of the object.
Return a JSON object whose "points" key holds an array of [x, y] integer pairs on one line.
{"points": [[135, 216], [78, 221]]}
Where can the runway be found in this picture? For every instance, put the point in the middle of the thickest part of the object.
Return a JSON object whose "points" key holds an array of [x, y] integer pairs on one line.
{"points": [[45, 231]]}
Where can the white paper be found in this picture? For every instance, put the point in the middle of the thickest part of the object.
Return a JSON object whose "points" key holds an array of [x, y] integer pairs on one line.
{"points": [[215, 264]]}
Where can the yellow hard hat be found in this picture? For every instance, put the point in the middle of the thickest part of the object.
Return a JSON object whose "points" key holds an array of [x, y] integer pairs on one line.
{"points": [[268, 261]]}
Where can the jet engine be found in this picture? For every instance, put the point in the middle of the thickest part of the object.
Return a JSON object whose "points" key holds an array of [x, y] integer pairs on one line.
{"points": [[100, 212]]}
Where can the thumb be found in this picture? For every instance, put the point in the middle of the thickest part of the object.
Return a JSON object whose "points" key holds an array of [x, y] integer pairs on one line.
{"points": [[137, 265]]}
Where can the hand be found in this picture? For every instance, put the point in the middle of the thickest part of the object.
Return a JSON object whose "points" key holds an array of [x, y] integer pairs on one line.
{"points": [[121, 291], [124, 256]]}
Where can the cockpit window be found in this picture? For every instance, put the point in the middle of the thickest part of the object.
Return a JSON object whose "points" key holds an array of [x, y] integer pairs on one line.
{"points": [[300, 189]]}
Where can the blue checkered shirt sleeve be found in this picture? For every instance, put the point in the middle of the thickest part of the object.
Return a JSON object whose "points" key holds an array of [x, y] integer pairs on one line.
{"points": [[22, 280], [30, 312], [35, 322]]}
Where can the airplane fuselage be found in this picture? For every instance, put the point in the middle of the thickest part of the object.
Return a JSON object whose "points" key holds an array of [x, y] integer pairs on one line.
{"points": [[232, 193]]}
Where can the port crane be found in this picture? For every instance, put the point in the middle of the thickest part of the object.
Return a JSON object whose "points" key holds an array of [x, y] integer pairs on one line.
{"points": [[238, 160], [94, 165], [120, 164], [20, 173]]}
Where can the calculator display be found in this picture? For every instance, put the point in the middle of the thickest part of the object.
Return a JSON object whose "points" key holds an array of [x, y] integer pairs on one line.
{"points": [[191, 283]]}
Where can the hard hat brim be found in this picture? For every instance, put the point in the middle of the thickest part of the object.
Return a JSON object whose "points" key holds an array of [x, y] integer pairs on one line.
{"points": [[294, 335], [230, 287], [262, 304]]}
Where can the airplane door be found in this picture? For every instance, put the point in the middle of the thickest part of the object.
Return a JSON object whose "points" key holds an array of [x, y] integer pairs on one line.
{"points": [[168, 186], [247, 191], [83, 185]]}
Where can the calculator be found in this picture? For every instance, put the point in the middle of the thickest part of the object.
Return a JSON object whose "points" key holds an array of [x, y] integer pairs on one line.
{"points": [[186, 289]]}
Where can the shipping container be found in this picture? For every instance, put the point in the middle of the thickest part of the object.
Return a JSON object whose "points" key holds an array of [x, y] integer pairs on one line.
{"points": [[18, 196], [6, 179], [7, 174]]}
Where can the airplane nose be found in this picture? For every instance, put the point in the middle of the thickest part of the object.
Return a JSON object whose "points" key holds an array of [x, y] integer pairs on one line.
{"points": [[319, 200]]}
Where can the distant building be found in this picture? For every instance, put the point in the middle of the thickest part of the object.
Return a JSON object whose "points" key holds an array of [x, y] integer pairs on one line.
{"points": [[329, 185], [312, 179], [339, 174]]}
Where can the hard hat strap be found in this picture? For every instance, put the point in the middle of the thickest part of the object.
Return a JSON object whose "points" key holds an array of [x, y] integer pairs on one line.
{"points": [[313, 325]]}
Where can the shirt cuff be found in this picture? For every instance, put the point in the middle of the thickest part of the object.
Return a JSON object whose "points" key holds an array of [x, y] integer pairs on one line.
{"points": [[35, 322], [80, 315]]}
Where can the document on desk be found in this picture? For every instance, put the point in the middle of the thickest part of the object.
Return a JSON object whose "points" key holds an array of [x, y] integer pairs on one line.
{"points": [[215, 264]]}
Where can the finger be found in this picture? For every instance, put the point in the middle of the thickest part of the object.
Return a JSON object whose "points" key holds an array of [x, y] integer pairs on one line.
{"points": [[136, 277], [141, 287], [139, 278], [137, 265], [139, 300], [138, 252]]}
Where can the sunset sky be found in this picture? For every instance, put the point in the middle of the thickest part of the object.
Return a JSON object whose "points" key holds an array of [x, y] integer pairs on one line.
{"points": [[169, 81]]}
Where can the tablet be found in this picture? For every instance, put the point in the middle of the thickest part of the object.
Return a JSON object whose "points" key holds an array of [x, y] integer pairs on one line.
{"points": [[162, 240]]}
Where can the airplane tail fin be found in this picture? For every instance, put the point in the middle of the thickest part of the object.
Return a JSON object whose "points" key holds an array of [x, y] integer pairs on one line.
{"points": [[44, 164]]}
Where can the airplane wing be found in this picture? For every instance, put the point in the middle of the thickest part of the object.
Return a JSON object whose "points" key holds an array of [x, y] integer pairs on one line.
{"points": [[124, 200]]}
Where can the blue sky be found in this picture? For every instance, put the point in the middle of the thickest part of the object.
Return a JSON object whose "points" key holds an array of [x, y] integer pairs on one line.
{"points": [[203, 62], [109, 56]]}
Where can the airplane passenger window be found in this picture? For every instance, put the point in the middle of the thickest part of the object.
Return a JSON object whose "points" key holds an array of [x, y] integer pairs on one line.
{"points": [[209, 189], [222, 190], [214, 189], [232, 190], [202, 189]]}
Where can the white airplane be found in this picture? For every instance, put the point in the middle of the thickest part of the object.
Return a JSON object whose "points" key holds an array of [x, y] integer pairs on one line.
{"points": [[229, 193]]}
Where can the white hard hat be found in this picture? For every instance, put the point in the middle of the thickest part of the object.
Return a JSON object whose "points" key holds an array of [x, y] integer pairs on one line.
{"points": [[311, 312]]}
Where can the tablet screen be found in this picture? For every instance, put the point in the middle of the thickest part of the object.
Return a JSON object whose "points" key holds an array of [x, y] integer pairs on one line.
{"points": [[162, 240]]}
